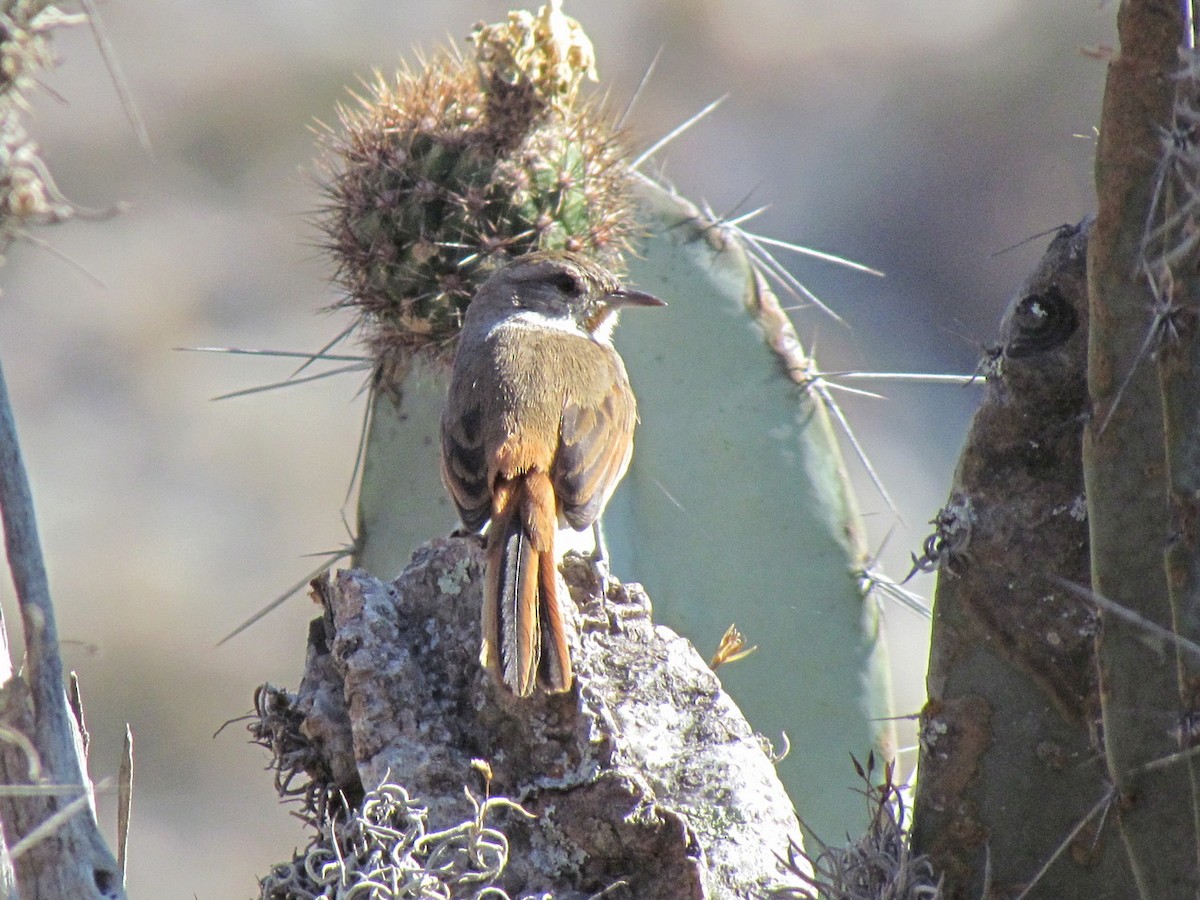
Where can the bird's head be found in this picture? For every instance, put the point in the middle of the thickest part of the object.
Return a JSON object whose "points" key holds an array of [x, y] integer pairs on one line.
{"points": [[559, 290]]}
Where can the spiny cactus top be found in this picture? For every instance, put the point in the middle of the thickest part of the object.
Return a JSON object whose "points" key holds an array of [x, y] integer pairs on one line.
{"points": [[441, 173]]}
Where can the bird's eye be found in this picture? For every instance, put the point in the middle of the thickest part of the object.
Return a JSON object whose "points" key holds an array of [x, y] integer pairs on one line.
{"points": [[568, 284]]}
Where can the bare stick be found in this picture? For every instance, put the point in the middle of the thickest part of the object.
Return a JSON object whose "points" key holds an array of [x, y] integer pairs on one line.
{"points": [[53, 735], [124, 801], [78, 863]]}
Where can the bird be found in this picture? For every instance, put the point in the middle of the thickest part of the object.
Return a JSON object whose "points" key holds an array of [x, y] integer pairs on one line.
{"points": [[536, 433]]}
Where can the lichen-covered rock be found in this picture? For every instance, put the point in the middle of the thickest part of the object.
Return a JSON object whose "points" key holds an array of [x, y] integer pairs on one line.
{"points": [[644, 779]]}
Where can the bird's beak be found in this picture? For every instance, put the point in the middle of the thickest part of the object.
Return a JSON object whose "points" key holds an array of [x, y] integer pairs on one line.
{"points": [[621, 298]]}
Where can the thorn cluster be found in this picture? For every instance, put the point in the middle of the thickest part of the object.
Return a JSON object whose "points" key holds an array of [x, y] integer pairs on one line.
{"points": [[439, 174], [1170, 251]]}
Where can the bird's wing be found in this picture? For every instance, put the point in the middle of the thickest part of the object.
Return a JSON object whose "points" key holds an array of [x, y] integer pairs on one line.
{"points": [[464, 467], [596, 441]]}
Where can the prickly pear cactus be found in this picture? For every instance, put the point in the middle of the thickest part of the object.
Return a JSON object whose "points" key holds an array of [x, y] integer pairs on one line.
{"points": [[737, 508]]}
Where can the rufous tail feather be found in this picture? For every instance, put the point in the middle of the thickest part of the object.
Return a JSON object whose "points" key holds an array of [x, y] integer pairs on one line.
{"points": [[554, 668], [524, 634]]}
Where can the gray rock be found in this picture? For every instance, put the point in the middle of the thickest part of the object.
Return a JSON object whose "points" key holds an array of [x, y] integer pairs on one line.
{"points": [[644, 781]]}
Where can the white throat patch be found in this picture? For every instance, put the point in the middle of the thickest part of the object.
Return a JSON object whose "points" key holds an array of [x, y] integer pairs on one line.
{"points": [[528, 318]]}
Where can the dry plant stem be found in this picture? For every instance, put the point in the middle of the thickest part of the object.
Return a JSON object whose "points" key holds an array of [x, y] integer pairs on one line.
{"points": [[124, 801], [1125, 466], [76, 863], [48, 688]]}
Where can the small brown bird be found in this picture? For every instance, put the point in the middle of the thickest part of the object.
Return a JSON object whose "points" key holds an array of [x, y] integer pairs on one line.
{"points": [[536, 433]]}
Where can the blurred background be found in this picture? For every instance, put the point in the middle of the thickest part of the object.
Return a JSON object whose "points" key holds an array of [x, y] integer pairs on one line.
{"points": [[920, 137]]}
